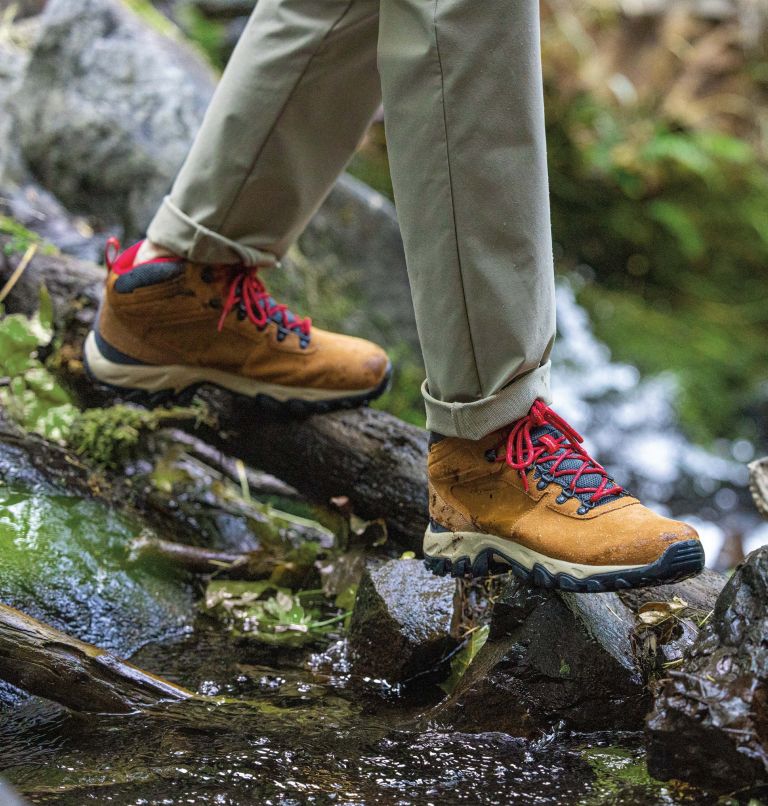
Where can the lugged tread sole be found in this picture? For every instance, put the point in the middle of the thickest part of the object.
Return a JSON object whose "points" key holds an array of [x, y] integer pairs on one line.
{"points": [[293, 407], [680, 561]]}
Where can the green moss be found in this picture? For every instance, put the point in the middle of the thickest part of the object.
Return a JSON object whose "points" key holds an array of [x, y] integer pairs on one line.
{"points": [[33, 397], [64, 560], [110, 436], [616, 770]]}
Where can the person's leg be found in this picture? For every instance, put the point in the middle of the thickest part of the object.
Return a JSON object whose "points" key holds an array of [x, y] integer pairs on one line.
{"points": [[294, 101], [464, 115], [509, 483], [291, 107]]}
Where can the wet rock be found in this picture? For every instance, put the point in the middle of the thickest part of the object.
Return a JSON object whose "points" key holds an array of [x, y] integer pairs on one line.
{"points": [[550, 658], [107, 108], [401, 627], [357, 229], [64, 555], [14, 54], [710, 720], [39, 211], [23, 8]]}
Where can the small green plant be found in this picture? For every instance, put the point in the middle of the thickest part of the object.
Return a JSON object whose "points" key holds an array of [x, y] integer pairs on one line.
{"points": [[109, 436], [270, 614], [32, 396], [29, 393]]}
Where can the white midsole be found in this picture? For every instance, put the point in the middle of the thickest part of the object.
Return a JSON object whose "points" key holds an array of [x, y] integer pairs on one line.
{"points": [[455, 545], [178, 377]]}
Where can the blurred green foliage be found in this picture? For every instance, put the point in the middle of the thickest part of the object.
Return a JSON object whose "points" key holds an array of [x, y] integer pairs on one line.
{"points": [[209, 35], [21, 238], [675, 225]]}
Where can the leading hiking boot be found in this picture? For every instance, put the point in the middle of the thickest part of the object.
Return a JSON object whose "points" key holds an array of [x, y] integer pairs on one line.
{"points": [[170, 325], [530, 499]]}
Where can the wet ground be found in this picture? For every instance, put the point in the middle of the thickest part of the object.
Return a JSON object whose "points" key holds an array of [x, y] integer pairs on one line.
{"points": [[295, 729]]}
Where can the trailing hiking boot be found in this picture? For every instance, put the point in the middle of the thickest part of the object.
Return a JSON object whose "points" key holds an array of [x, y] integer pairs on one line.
{"points": [[170, 325], [529, 498]]}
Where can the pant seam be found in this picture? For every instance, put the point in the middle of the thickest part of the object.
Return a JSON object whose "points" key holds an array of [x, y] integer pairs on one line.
{"points": [[279, 115], [452, 200]]}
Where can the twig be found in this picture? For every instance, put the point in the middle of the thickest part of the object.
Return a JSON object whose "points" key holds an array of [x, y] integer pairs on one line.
{"points": [[18, 271]]}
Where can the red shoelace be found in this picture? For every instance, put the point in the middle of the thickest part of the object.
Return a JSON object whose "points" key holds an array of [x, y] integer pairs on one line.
{"points": [[523, 451], [246, 289], [243, 287]]}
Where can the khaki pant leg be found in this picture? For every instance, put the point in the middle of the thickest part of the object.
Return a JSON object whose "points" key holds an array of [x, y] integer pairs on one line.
{"points": [[464, 114], [291, 107]]}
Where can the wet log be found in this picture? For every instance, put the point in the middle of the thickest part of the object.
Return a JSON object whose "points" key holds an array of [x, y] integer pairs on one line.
{"points": [[370, 456], [43, 661], [708, 725]]}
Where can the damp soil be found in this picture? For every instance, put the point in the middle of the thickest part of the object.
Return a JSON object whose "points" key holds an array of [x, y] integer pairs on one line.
{"points": [[295, 728]]}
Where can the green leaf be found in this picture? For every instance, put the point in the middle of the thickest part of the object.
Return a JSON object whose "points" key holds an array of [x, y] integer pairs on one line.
{"points": [[45, 310], [674, 218], [461, 661]]}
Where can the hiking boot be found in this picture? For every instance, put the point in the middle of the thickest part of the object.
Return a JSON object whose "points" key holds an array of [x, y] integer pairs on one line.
{"points": [[529, 498], [170, 325]]}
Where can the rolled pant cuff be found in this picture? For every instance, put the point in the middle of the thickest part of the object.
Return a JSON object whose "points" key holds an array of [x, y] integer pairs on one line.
{"points": [[174, 230], [480, 417]]}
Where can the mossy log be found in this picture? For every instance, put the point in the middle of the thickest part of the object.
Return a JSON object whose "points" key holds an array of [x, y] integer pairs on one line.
{"points": [[80, 676], [373, 458]]}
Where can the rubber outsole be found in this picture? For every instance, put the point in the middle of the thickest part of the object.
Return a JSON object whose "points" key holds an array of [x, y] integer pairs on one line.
{"points": [[294, 407], [680, 561]]}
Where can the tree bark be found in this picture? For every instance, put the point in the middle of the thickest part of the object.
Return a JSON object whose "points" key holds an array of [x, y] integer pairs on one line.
{"points": [[373, 458], [80, 676], [758, 484]]}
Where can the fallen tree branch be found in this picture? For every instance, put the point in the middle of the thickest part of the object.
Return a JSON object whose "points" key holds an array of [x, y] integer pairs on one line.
{"points": [[370, 456], [43, 661], [194, 559]]}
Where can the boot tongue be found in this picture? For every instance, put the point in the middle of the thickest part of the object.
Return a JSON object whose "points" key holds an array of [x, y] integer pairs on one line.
{"points": [[288, 321], [588, 480]]}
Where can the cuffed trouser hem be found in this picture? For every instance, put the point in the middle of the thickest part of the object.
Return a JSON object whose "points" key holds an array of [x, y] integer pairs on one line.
{"points": [[174, 230], [481, 417]]}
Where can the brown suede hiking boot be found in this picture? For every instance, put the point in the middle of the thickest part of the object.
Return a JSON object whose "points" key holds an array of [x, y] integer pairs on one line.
{"points": [[531, 499], [171, 325]]}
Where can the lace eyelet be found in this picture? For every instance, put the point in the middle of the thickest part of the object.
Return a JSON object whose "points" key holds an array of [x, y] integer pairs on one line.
{"points": [[582, 510], [562, 498], [542, 485], [207, 275], [490, 455], [241, 314]]}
